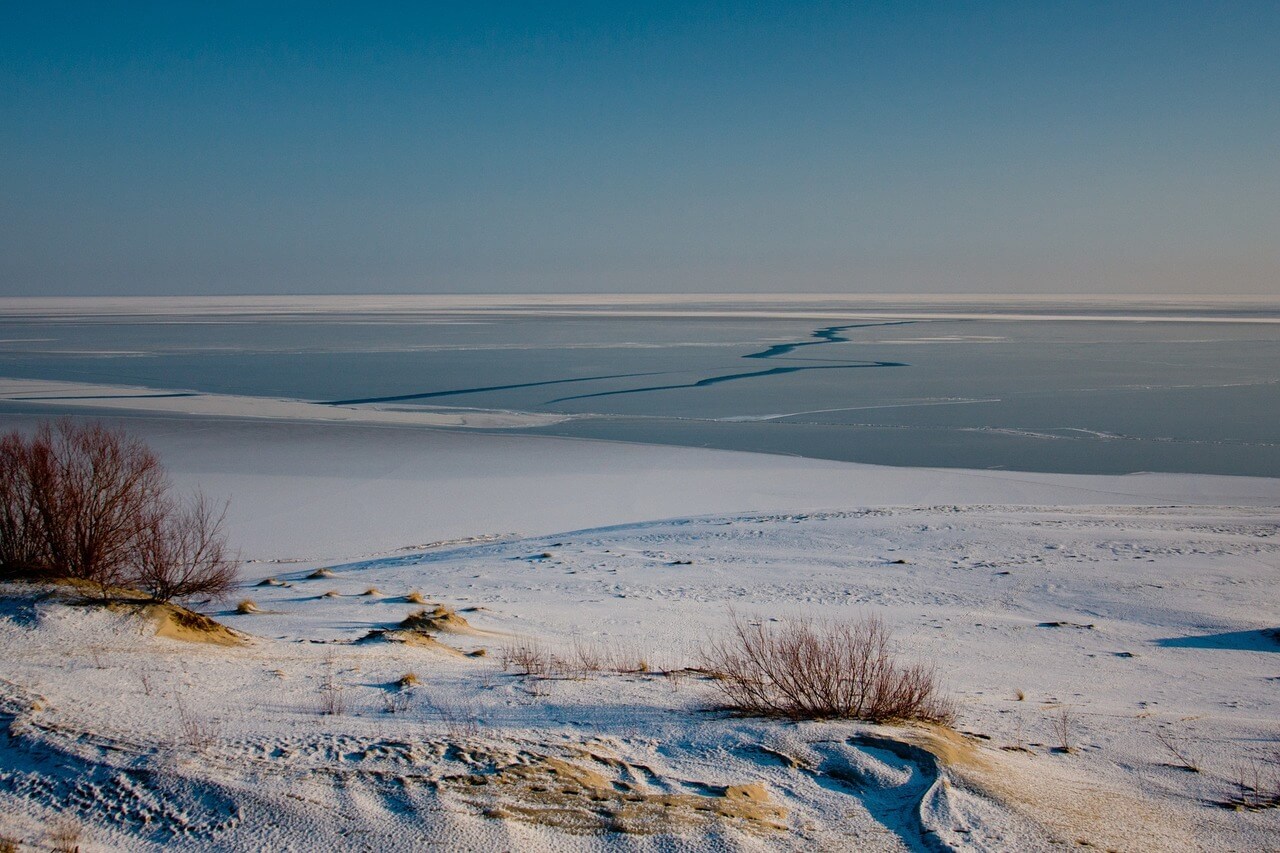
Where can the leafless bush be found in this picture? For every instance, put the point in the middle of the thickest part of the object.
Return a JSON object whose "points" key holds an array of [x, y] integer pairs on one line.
{"points": [[64, 836], [1179, 749], [88, 502], [526, 657], [1063, 723], [803, 670], [93, 487], [395, 701], [586, 658], [194, 731], [460, 719], [22, 546], [181, 551], [1019, 741], [333, 698], [1257, 783]]}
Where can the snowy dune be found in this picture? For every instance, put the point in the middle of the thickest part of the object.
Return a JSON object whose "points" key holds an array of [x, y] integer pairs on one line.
{"points": [[1141, 604]]}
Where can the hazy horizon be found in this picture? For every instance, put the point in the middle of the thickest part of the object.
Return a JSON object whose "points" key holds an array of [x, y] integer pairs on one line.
{"points": [[710, 148]]}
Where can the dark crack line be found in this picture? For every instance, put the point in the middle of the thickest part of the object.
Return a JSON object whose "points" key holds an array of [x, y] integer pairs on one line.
{"points": [[716, 380], [826, 335], [400, 398]]}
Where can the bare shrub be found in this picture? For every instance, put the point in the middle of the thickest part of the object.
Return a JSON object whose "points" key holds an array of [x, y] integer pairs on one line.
{"points": [[181, 551], [1063, 723], [92, 488], [64, 835], [92, 503], [1257, 783], [194, 731], [803, 670], [1179, 749], [527, 658], [22, 545], [460, 719], [333, 698], [586, 658], [395, 701], [1019, 740]]}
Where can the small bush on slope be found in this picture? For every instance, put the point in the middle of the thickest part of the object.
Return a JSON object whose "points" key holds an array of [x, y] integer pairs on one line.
{"points": [[803, 670]]}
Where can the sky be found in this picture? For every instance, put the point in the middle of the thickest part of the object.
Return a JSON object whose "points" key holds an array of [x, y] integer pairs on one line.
{"points": [[951, 147]]}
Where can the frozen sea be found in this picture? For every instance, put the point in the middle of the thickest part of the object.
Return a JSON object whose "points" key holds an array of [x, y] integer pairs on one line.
{"points": [[1074, 387]]}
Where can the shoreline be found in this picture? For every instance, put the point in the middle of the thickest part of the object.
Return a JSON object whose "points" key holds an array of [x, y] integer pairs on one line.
{"points": [[1250, 308]]}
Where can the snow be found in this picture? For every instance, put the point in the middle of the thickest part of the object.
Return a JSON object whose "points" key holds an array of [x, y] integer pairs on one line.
{"points": [[1140, 604]]}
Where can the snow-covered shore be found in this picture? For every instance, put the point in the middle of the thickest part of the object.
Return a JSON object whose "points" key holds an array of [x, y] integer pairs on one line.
{"points": [[1141, 605]]}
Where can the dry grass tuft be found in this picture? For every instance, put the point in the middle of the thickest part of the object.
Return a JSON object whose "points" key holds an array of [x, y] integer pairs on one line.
{"points": [[320, 573], [415, 597], [409, 679], [247, 606], [373, 590], [438, 618], [333, 593], [806, 670]]}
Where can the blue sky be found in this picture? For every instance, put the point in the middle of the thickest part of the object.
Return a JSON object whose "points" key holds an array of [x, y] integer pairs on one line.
{"points": [[471, 147]]}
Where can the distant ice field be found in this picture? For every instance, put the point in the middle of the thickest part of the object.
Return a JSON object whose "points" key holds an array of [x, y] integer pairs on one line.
{"points": [[1101, 387]]}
